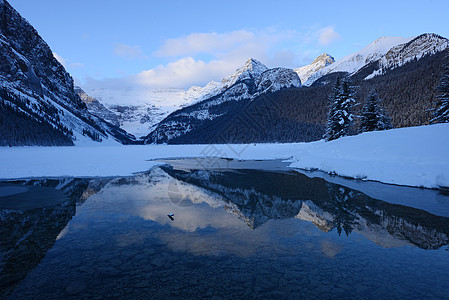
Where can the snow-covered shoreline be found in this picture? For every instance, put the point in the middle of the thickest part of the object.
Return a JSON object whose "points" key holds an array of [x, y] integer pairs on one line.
{"points": [[415, 156]]}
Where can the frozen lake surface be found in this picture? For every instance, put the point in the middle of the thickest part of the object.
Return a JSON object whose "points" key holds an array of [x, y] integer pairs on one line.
{"points": [[240, 229]]}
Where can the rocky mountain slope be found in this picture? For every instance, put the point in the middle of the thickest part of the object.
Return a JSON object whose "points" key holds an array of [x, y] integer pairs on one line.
{"points": [[354, 62], [248, 82], [425, 44], [97, 108], [319, 63], [37, 96], [385, 53]]}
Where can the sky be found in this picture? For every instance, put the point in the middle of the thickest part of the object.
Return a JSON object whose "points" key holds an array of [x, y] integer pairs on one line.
{"points": [[177, 44]]}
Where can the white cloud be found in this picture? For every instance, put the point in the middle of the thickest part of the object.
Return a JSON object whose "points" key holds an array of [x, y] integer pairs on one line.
{"points": [[184, 73], [328, 35], [229, 51], [129, 52], [198, 58], [196, 43]]}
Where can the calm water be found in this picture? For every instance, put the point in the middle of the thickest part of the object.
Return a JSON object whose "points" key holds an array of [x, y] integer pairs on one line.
{"points": [[236, 233]]}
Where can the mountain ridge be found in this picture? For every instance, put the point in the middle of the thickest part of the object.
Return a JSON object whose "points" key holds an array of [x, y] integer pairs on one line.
{"points": [[246, 83], [39, 93], [354, 62]]}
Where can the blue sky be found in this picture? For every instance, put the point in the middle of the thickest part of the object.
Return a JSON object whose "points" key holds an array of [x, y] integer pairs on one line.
{"points": [[183, 43]]}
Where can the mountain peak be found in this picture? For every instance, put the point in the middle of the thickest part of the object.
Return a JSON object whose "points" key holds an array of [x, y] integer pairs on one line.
{"points": [[432, 39], [326, 58], [251, 69], [253, 62], [320, 62], [414, 48], [431, 35], [254, 67]]}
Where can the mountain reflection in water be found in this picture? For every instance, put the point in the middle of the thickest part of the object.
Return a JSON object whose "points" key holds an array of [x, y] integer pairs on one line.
{"points": [[111, 237], [257, 196]]}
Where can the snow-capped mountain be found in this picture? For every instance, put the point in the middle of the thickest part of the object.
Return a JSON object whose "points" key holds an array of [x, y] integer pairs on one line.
{"points": [[206, 113], [138, 111], [250, 70], [425, 44], [246, 83], [387, 52], [37, 95], [354, 62], [320, 62]]}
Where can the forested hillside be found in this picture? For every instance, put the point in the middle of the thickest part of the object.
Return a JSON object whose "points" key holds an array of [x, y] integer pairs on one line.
{"points": [[299, 114]]}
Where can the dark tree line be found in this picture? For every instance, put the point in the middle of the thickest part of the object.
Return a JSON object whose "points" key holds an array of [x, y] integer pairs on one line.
{"points": [[19, 129], [26, 123], [441, 114], [408, 92], [373, 115], [95, 136]]}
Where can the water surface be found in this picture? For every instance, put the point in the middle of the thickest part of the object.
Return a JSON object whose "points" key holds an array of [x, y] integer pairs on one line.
{"points": [[237, 232]]}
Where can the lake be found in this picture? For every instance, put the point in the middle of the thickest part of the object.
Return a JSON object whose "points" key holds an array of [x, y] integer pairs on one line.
{"points": [[217, 228]]}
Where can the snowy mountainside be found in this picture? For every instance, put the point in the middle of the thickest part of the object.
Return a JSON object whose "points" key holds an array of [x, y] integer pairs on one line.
{"points": [[138, 119], [250, 70], [37, 94], [138, 111], [246, 83], [275, 79], [320, 62], [197, 94], [96, 108], [425, 44], [354, 62]]}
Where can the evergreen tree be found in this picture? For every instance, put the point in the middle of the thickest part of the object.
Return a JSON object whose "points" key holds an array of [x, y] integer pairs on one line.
{"points": [[340, 114], [441, 114], [373, 116]]}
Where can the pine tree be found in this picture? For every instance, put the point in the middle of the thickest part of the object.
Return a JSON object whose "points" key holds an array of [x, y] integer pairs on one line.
{"points": [[373, 116], [441, 114], [340, 114]]}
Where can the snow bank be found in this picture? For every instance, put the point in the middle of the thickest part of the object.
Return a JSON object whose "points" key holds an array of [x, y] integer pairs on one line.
{"points": [[416, 156]]}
